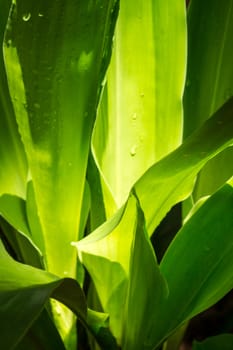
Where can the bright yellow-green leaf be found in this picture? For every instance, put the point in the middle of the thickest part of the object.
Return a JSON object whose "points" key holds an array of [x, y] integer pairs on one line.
{"points": [[172, 179], [55, 94], [13, 166], [140, 115]]}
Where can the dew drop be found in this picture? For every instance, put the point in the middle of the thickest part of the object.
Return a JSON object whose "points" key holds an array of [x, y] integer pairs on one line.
{"points": [[133, 150], [134, 116], [142, 94], [26, 17], [40, 15]]}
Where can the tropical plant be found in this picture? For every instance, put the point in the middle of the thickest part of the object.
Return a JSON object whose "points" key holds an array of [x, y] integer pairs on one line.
{"points": [[110, 117]]}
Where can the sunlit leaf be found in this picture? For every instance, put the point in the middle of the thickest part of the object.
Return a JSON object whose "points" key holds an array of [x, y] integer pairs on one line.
{"points": [[113, 257], [144, 88], [55, 94], [16, 229], [171, 180], [145, 292], [13, 168]]}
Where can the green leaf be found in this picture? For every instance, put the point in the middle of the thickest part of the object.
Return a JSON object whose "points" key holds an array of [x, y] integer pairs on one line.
{"points": [[24, 291], [56, 57], [145, 81], [13, 170], [146, 290], [16, 229], [219, 342], [113, 257], [43, 335], [209, 80], [105, 254], [171, 179], [33, 218], [99, 323], [198, 265]]}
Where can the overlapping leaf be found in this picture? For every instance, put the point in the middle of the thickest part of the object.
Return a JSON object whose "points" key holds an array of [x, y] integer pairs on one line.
{"points": [[171, 180], [24, 291], [144, 89], [55, 94], [13, 167], [198, 264], [209, 80]]}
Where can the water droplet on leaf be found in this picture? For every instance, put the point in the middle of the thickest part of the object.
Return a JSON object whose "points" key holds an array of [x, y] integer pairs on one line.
{"points": [[133, 150], [26, 17], [134, 116]]}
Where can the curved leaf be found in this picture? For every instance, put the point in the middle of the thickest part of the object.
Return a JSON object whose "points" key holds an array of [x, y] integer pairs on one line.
{"points": [[209, 80], [24, 290], [145, 81], [198, 265], [13, 166], [171, 179], [117, 255], [56, 57], [43, 335]]}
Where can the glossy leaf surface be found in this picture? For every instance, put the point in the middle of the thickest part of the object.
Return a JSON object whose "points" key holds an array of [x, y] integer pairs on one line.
{"points": [[112, 255], [55, 94], [209, 80], [16, 229], [144, 88], [171, 180], [24, 291], [198, 264], [13, 168], [146, 290]]}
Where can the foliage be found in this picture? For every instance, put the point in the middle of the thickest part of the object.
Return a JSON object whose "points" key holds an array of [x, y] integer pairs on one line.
{"points": [[111, 114]]}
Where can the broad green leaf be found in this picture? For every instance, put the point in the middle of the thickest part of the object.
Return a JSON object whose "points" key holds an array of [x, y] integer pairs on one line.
{"points": [[105, 254], [24, 291], [146, 290], [13, 168], [209, 79], [113, 257], [219, 342], [144, 88], [16, 229], [56, 57], [22, 246], [171, 179], [198, 265], [98, 323], [43, 335]]}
